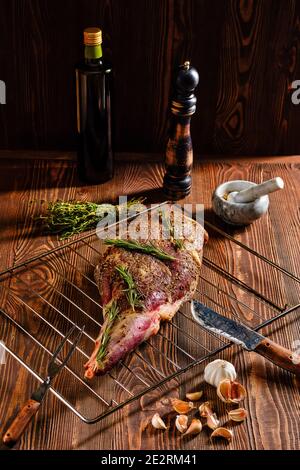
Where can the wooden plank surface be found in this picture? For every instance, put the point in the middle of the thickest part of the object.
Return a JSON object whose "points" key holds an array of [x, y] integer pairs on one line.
{"points": [[273, 396], [247, 54]]}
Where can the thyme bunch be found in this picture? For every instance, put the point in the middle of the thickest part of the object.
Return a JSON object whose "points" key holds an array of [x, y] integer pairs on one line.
{"points": [[68, 218]]}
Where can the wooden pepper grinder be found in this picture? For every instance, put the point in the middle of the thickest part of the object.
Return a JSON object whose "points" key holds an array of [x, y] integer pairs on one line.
{"points": [[179, 153]]}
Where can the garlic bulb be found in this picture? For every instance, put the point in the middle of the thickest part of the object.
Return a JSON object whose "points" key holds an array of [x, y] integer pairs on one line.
{"points": [[219, 370]]}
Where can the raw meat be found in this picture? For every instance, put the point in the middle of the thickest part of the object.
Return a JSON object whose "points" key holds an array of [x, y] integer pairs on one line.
{"points": [[162, 286]]}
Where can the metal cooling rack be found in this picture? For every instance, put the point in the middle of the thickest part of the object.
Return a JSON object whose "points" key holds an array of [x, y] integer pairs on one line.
{"points": [[42, 297]]}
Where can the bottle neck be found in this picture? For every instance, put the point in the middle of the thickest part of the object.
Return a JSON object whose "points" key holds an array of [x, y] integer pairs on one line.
{"points": [[93, 54]]}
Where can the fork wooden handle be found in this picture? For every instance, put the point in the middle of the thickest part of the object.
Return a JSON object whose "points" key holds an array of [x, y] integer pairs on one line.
{"points": [[21, 422], [279, 355]]}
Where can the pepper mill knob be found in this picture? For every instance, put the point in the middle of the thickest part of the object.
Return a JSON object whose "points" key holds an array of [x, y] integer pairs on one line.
{"points": [[187, 79], [179, 153]]}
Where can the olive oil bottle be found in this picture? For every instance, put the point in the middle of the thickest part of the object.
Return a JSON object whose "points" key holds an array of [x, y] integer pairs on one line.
{"points": [[93, 89]]}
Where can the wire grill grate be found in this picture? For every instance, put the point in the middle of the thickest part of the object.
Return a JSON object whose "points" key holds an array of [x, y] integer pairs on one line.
{"points": [[41, 298]]}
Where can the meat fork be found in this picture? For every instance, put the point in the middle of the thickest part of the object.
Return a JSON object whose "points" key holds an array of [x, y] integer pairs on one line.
{"points": [[31, 407]]}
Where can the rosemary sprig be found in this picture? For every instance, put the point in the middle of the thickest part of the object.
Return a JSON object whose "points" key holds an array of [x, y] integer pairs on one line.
{"points": [[111, 314], [73, 217], [134, 245], [133, 296], [177, 242]]}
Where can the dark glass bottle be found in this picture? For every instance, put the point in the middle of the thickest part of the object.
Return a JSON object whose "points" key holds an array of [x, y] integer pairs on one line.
{"points": [[93, 89]]}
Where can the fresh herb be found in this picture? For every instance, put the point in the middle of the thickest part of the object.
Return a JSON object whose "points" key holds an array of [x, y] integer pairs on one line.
{"points": [[111, 314], [147, 248], [133, 296], [177, 242], [73, 217]]}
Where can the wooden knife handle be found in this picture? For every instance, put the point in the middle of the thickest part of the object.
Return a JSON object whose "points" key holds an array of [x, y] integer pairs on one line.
{"points": [[279, 355], [21, 422]]}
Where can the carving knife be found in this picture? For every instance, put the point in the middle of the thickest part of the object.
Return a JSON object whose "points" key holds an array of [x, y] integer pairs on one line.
{"points": [[246, 337]]}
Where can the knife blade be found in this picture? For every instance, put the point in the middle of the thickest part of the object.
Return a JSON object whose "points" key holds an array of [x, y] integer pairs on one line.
{"points": [[245, 336]]}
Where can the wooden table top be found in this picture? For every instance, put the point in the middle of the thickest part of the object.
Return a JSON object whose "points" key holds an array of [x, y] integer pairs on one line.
{"points": [[273, 395]]}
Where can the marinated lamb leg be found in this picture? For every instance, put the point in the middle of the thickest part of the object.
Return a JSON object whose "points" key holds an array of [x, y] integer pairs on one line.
{"points": [[138, 290]]}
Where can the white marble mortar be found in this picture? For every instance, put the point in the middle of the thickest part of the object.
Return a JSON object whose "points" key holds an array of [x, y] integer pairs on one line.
{"points": [[238, 213]]}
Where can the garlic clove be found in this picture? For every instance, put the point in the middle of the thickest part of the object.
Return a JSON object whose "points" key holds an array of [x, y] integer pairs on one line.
{"points": [[218, 370], [238, 415], [157, 422], [212, 421], [194, 396], [181, 423], [205, 409], [230, 391], [224, 390], [222, 432], [182, 407], [195, 427]]}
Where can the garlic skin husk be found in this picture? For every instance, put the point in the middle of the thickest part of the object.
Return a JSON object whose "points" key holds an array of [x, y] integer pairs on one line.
{"points": [[181, 423], [157, 422], [212, 421], [238, 414], [222, 432], [182, 407], [206, 411], [231, 391], [218, 370], [195, 427]]}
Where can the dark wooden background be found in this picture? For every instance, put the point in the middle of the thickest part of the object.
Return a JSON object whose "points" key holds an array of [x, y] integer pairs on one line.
{"points": [[247, 53]]}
